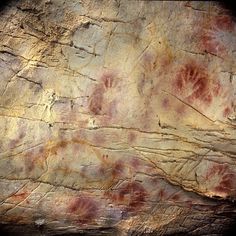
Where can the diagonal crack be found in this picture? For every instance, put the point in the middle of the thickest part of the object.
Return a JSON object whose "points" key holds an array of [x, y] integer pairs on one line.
{"points": [[187, 104], [31, 81]]}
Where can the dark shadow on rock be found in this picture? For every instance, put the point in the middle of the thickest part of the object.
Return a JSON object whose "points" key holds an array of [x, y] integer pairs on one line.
{"points": [[32, 230], [230, 6], [231, 231], [5, 3]]}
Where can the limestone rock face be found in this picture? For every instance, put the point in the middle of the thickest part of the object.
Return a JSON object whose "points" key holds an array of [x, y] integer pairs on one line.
{"points": [[117, 117]]}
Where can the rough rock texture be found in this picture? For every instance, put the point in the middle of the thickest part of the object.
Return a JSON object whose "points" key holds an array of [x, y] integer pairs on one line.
{"points": [[117, 117]]}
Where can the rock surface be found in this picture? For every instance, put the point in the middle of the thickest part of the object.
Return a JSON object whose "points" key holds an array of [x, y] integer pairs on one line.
{"points": [[117, 117]]}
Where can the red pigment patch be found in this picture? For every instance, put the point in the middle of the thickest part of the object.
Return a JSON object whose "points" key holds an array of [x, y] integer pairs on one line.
{"points": [[135, 163], [108, 80], [192, 84], [149, 62], [176, 197], [112, 171], [29, 162], [131, 195], [180, 110], [162, 194], [224, 176], [117, 169], [60, 145], [85, 208], [166, 103], [226, 112], [112, 109], [99, 139], [105, 157], [19, 197], [217, 89], [211, 45], [131, 137], [96, 101], [224, 22], [15, 142], [34, 158], [146, 80], [212, 34]]}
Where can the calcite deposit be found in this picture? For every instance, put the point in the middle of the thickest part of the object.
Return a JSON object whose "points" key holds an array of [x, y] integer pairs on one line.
{"points": [[117, 117]]}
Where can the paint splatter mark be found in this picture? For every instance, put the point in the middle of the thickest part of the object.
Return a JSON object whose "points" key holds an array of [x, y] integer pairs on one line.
{"points": [[85, 209]]}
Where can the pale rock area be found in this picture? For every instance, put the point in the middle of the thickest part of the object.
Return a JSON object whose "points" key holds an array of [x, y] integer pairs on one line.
{"points": [[117, 117]]}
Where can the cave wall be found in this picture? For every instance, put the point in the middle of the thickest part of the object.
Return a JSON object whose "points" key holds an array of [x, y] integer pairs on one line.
{"points": [[117, 117]]}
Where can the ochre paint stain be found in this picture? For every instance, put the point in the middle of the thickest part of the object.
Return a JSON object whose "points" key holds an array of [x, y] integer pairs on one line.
{"points": [[113, 170], [85, 208], [108, 80], [228, 110], [19, 197], [162, 195], [175, 198], [132, 196], [192, 81], [131, 137], [224, 22], [97, 101], [35, 158], [212, 33], [135, 163], [225, 177], [15, 142], [196, 86], [117, 169], [180, 110], [166, 103]]}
